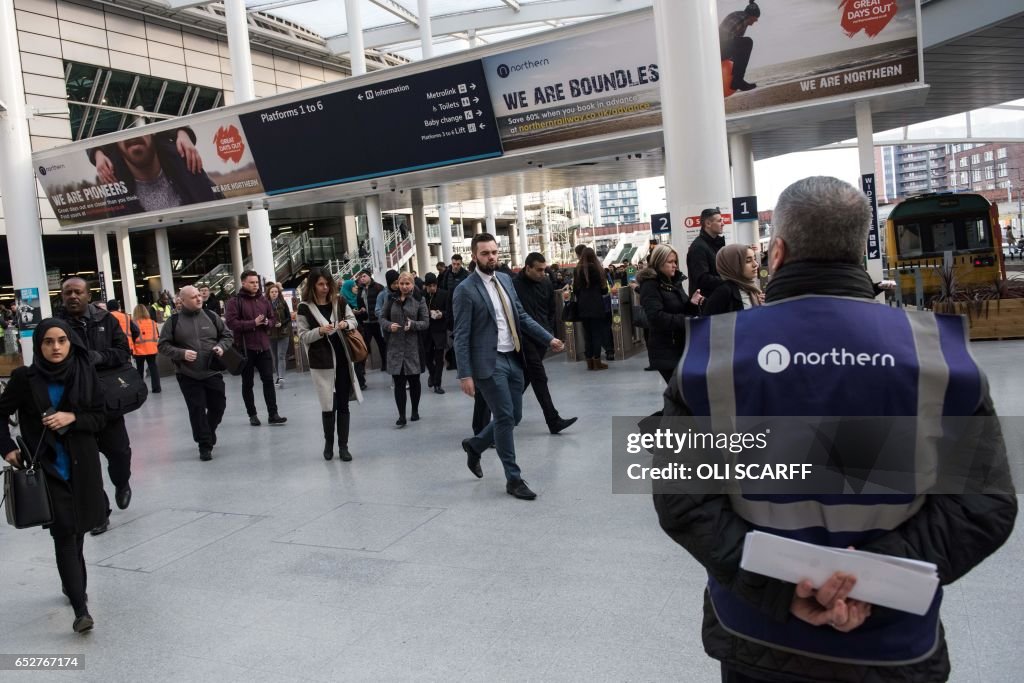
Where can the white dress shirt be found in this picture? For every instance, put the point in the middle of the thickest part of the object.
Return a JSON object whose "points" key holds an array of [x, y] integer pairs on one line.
{"points": [[505, 342]]}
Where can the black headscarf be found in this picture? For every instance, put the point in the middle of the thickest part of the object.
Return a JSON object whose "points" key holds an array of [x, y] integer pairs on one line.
{"points": [[75, 372]]}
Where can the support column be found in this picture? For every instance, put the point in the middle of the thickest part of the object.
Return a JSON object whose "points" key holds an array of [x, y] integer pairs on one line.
{"points": [[237, 262], [163, 259], [741, 154], [545, 228], [426, 34], [357, 51], [103, 268], [515, 257], [866, 153], [478, 227], [524, 237], [378, 246], [694, 128], [419, 223], [444, 223], [489, 206], [17, 177], [245, 91], [126, 266]]}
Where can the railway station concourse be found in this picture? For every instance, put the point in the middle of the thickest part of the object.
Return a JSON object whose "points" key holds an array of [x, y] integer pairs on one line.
{"points": [[383, 135]]}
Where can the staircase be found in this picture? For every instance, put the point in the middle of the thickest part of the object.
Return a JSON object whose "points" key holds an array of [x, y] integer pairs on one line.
{"points": [[291, 254]]}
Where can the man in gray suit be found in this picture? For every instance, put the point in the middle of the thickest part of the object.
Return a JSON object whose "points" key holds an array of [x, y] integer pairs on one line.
{"points": [[489, 322]]}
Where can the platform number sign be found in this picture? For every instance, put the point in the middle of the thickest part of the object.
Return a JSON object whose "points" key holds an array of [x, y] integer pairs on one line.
{"points": [[661, 223], [744, 208]]}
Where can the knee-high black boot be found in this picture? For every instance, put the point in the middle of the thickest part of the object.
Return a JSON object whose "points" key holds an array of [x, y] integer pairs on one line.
{"points": [[328, 419], [343, 421]]}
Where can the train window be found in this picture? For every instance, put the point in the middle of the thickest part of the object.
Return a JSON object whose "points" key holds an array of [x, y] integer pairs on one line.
{"points": [[977, 234], [943, 237], [908, 237]]}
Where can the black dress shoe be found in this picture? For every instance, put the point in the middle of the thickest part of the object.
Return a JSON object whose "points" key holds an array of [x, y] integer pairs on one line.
{"points": [[344, 455], [254, 421], [649, 369], [560, 424], [472, 459], [102, 528], [83, 623], [123, 496], [519, 489], [743, 85], [400, 421], [276, 419], [438, 390], [205, 454], [415, 417]]}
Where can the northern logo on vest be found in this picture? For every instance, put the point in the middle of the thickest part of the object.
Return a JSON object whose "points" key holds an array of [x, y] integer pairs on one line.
{"points": [[775, 358]]}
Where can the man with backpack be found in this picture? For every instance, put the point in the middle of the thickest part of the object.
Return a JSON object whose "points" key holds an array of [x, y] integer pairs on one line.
{"points": [[192, 339]]}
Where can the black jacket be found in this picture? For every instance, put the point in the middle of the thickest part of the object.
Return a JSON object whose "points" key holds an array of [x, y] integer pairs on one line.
{"points": [[102, 335], [26, 395], [438, 331], [590, 299], [667, 307], [538, 299], [700, 263], [726, 298], [371, 292], [955, 532], [449, 279]]}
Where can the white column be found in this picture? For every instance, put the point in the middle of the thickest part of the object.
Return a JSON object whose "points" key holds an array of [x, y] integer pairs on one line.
{"points": [[445, 223], [99, 238], [866, 153], [126, 266], [478, 227], [426, 36], [545, 228], [524, 238], [473, 41], [163, 259], [357, 52], [419, 223], [378, 246], [741, 154], [515, 257], [237, 265], [694, 127], [17, 177], [489, 206], [241, 76]]}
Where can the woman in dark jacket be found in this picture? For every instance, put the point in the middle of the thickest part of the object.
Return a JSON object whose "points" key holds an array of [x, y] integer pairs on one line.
{"points": [[280, 331], [589, 287], [61, 378], [737, 266], [666, 306]]}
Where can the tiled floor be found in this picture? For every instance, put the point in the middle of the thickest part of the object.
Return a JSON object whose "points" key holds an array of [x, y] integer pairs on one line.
{"points": [[270, 564]]}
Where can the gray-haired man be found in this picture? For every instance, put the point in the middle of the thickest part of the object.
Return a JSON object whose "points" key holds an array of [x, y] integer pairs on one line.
{"points": [[192, 338]]}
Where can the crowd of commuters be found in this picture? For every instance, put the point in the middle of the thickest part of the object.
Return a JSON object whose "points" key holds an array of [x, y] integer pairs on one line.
{"points": [[500, 328]]}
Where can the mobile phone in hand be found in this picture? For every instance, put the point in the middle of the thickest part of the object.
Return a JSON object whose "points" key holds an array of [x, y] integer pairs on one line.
{"points": [[52, 411]]}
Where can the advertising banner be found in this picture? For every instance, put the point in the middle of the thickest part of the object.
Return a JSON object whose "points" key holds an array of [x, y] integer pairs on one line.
{"points": [[582, 86], [781, 53], [30, 310], [152, 172]]}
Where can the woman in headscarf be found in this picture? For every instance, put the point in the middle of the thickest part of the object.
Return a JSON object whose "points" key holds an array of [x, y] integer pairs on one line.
{"points": [[60, 409], [350, 290], [737, 266]]}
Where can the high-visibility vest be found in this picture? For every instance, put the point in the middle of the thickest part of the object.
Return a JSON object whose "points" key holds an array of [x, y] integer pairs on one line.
{"points": [[830, 356], [123, 320], [148, 338]]}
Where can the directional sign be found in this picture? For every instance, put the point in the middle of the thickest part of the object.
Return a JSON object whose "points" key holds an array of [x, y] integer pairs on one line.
{"points": [[744, 208], [421, 121], [661, 223], [874, 248]]}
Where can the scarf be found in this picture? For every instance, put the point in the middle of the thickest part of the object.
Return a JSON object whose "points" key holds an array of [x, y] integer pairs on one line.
{"points": [[74, 372], [730, 262]]}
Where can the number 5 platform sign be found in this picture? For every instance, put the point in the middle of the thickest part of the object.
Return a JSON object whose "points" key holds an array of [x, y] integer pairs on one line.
{"points": [[661, 223]]}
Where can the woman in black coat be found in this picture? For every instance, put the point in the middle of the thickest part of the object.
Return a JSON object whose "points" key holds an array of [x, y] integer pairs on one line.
{"points": [[589, 287], [737, 266], [60, 409], [666, 306]]}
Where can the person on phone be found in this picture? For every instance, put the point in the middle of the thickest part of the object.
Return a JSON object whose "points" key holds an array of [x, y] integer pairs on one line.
{"points": [[250, 316], [366, 313], [667, 307], [321, 320], [280, 331], [436, 338], [60, 410], [404, 316], [192, 338]]}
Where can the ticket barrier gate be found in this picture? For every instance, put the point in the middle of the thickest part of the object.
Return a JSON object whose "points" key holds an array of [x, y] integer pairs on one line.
{"points": [[626, 338]]}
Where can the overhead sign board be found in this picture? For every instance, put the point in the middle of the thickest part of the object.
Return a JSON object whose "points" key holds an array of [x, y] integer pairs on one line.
{"points": [[661, 223], [744, 208], [424, 120], [601, 82], [803, 50]]}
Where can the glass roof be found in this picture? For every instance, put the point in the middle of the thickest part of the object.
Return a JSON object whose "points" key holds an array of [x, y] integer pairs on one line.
{"points": [[327, 19]]}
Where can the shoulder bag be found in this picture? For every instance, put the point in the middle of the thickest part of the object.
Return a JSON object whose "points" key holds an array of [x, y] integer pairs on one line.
{"points": [[26, 495], [123, 390], [354, 342], [232, 360]]}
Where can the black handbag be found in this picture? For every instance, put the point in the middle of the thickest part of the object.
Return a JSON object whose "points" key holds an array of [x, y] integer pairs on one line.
{"points": [[26, 495], [231, 360], [123, 390]]}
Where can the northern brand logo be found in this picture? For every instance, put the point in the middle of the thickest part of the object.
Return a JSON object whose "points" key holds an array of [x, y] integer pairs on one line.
{"points": [[505, 70], [775, 358], [43, 170]]}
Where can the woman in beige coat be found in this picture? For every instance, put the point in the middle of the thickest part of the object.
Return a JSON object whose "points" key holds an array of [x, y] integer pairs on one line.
{"points": [[322, 319]]}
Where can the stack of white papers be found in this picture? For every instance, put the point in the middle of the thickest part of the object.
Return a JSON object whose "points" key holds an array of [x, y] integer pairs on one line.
{"points": [[896, 582]]}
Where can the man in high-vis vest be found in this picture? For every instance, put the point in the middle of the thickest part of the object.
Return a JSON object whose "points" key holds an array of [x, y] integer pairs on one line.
{"points": [[747, 364]]}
